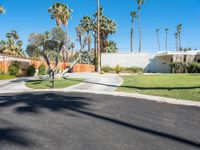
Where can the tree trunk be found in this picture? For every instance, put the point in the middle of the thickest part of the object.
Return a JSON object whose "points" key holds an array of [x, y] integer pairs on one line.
{"points": [[158, 41], [88, 33], [166, 41], [66, 55], [132, 36], [179, 41], [177, 44], [140, 32]]}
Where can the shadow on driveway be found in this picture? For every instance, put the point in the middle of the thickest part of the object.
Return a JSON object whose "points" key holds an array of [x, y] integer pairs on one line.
{"points": [[34, 102]]}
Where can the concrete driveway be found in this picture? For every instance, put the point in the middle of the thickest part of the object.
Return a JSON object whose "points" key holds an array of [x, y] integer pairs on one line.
{"points": [[81, 121], [93, 82]]}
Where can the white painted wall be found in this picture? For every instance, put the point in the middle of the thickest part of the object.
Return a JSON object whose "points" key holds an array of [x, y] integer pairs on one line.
{"points": [[163, 64], [141, 60]]}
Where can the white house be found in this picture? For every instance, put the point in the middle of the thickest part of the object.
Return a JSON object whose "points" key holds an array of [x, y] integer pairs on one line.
{"points": [[157, 63]]}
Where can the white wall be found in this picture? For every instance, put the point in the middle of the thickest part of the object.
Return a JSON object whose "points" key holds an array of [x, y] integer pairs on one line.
{"points": [[163, 64], [141, 60]]}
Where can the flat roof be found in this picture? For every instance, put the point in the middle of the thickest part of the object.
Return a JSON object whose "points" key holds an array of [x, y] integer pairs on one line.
{"points": [[170, 53]]}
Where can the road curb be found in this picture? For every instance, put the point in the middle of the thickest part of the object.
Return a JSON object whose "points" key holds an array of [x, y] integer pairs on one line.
{"points": [[144, 97]]}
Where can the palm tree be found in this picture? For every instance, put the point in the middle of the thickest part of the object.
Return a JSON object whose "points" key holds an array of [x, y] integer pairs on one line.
{"points": [[179, 29], [61, 13], [98, 37], [56, 11], [140, 2], [87, 24], [158, 38], [2, 10], [133, 16], [177, 41], [166, 38]]}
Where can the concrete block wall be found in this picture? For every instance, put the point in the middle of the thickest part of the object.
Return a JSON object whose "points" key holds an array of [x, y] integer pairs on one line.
{"points": [[141, 60]]}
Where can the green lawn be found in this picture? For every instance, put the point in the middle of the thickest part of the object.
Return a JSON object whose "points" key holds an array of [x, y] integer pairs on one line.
{"points": [[180, 86], [62, 83], [6, 77]]}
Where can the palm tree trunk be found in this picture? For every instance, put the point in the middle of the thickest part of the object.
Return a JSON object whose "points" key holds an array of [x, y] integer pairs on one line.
{"points": [[177, 44], [88, 33], [95, 47], [132, 36], [140, 32], [179, 36], [65, 52], [166, 41], [158, 40]]}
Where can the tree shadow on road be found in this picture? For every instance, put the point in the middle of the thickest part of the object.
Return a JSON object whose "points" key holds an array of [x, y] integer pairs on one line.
{"points": [[14, 135], [56, 102]]}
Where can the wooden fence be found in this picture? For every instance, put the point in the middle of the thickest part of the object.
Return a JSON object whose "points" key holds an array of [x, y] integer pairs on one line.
{"points": [[25, 63]]}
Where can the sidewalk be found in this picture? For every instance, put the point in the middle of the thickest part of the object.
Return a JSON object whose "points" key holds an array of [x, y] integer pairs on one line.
{"points": [[94, 83]]}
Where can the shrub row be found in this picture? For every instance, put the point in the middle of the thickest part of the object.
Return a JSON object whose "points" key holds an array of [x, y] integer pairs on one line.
{"points": [[14, 70], [4, 76], [119, 69], [182, 67]]}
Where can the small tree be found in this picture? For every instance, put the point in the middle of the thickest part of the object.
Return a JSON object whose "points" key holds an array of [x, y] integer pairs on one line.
{"points": [[50, 45], [13, 69], [42, 70], [31, 70]]}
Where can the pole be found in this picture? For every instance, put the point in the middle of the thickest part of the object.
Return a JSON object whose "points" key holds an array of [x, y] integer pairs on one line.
{"points": [[98, 39]]}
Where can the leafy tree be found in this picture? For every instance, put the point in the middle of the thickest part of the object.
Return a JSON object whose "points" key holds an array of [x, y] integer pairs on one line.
{"points": [[87, 25], [50, 47], [13, 69], [140, 3], [42, 70], [111, 47], [82, 38], [133, 16], [33, 51], [107, 27], [31, 70], [13, 45]]}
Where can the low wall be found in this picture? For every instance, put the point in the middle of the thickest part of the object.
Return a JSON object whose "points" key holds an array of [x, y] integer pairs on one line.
{"points": [[141, 60], [6, 60]]}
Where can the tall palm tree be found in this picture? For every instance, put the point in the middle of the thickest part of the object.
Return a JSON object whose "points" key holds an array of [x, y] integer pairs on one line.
{"points": [[87, 24], [177, 41], [56, 11], [158, 38], [179, 29], [98, 38], [61, 13], [140, 2], [133, 16], [2, 10], [166, 38]]}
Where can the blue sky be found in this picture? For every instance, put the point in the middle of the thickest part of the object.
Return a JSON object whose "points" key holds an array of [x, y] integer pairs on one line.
{"points": [[27, 16]]}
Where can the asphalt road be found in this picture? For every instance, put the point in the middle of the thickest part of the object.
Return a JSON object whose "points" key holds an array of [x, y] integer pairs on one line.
{"points": [[77, 121]]}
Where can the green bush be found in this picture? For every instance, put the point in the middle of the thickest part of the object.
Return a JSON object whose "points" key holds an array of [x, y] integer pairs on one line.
{"points": [[193, 67], [42, 70], [179, 67], [106, 69], [134, 70], [13, 69], [118, 69], [30, 71], [4, 76]]}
